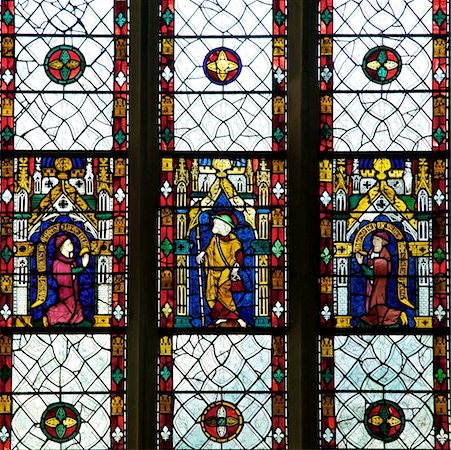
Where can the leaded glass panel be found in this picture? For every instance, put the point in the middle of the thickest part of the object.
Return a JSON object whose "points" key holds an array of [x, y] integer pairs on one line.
{"points": [[384, 391], [383, 76], [226, 391], [405, 277], [222, 76], [222, 246], [384, 216], [64, 75], [64, 224], [197, 196]]}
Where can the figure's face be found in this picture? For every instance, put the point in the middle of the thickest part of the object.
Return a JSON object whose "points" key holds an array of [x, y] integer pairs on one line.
{"points": [[378, 243], [67, 247], [221, 228]]}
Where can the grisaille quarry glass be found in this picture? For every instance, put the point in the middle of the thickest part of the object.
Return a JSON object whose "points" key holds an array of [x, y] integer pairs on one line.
{"points": [[64, 219], [384, 214], [222, 225]]}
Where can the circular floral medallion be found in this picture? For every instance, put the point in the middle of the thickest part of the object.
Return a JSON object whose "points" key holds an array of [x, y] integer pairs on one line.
{"points": [[384, 420], [222, 65], [60, 422], [221, 421], [382, 64], [64, 64]]}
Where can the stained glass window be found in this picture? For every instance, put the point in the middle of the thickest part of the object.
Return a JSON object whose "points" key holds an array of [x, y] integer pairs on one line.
{"points": [[222, 225], [64, 223], [223, 75], [383, 179]]}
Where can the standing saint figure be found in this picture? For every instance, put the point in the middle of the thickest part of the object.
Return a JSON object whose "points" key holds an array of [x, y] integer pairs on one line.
{"points": [[68, 309], [377, 268], [223, 258]]}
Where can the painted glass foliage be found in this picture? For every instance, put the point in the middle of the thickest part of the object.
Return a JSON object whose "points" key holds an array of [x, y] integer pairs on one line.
{"points": [[222, 253], [64, 222], [223, 75], [384, 215]]}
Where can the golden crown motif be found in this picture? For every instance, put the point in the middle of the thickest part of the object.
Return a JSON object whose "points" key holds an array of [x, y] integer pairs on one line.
{"points": [[279, 105], [120, 107], [441, 405], [166, 279], [7, 107], [278, 346], [7, 46], [167, 106], [439, 106], [277, 279], [326, 228], [439, 346], [278, 405], [439, 168], [279, 46], [326, 285], [5, 345], [7, 168], [118, 283], [119, 225], [6, 284], [278, 166], [165, 404], [325, 170], [278, 218], [121, 49], [168, 46], [328, 406], [440, 284]]}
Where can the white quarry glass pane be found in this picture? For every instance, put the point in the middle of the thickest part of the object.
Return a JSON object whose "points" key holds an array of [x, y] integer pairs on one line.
{"points": [[231, 17], [383, 363], [223, 122], [255, 55], [416, 63], [222, 363], [61, 363], [30, 64], [95, 422], [68, 16], [383, 17], [255, 410], [382, 122], [63, 121], [418, 431]]}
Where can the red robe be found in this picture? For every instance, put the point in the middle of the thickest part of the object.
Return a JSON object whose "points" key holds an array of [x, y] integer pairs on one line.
{"points": [[68, 308], [377, 311]]}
